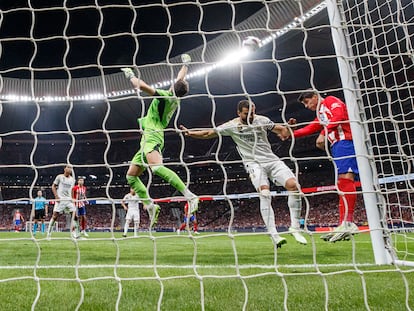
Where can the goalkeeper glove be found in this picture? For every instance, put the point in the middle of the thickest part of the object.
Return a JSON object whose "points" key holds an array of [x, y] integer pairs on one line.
{"points": [[185, 58], [128, 72]]}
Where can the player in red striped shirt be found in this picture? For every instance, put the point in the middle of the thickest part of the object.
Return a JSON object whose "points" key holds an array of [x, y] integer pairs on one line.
{"points": [[188, 218], [79, 194], [332, 123]]}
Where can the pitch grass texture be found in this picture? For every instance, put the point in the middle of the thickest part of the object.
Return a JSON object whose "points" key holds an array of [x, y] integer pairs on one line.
{"points": [[169, 272]]}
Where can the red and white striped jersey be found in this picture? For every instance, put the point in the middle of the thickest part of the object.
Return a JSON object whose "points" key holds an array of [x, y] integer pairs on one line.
{"points": [[332, 119], [79, 194]]}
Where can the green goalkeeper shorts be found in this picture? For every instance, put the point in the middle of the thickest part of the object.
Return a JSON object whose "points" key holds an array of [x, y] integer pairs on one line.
{"points": [[149, 142]]}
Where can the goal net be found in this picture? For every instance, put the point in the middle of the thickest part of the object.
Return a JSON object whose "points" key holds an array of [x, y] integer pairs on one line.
{"points": [[65, 100]]}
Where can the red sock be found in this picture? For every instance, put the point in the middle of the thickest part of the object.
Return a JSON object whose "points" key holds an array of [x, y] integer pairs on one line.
{"points": [[346, 201], [182, 226], [195, 227], [83, 225]]}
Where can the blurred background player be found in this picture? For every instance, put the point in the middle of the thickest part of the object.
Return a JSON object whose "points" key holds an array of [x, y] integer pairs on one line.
{"points": [[40, 209], [332, 122], [62, 190], [17, 220], [130, 203], [187, 219], [158, 116], [249, 132], [79, 195]]}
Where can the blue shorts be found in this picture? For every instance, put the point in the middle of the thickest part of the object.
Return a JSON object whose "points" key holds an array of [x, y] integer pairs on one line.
{"points": [[192, 218], [17, 222], [344, 156], [82, 211]]}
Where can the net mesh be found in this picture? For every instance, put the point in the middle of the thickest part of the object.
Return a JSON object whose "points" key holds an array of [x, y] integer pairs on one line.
{"points": [[52, 115]]}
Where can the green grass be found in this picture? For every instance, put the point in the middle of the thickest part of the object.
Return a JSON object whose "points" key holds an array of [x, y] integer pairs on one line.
{"points": [[180, 273]]}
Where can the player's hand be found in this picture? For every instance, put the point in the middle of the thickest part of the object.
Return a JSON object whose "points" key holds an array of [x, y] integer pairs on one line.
{"points": [[184, 130], [185, 58], [128, 72], [292, 121]]}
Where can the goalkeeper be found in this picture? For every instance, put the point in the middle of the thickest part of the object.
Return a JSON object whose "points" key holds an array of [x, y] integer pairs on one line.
{"points": [[249, 132], [158, 116]]}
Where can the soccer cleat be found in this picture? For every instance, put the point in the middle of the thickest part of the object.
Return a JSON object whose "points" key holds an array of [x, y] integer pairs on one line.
{"points": [[75, 235], [278, 240], [327, 236], [48, 236], [344, 232], [124, 235], [196, 232], [128, 72], [178, 231], [84, 233], [298, 236], [193, 203], [155, 211]]}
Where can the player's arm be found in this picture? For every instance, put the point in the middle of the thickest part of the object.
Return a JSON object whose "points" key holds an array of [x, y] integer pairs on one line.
{"points": [[123, 204], [199, 134], [54, 191], [138, 83]]}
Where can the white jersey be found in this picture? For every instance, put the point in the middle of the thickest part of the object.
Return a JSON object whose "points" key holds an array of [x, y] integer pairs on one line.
{"points": [[132, 201], [251, 139], [64, 186]]}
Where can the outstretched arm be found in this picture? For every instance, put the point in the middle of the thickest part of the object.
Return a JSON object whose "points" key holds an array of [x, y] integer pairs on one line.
{"points": [[138, 83], [199, 134]]}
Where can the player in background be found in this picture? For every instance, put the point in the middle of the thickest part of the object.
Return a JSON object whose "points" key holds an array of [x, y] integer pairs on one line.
{"points": [[79, 195], [40, 209], [249, 132], [187, 219], [17, 220], [130, 203], [332, 123], [64, 203], [159, 114]]}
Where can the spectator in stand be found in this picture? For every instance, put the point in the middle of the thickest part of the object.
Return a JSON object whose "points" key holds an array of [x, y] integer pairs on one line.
{"points": [[332, 123]]}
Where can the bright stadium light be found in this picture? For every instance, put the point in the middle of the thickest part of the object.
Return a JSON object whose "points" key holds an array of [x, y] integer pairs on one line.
{"points": [[232, 57]]}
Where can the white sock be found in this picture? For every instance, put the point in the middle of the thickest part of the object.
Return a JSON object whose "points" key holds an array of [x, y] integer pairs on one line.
{"points": [[295, 207], [136, 225], [267, 213], [126, 226]]}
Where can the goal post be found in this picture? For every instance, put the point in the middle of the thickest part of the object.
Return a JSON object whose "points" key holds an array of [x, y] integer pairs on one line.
{"points": [[366, 171]]}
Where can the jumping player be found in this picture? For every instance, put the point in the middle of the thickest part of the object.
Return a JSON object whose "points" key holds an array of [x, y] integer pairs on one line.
{"points": [[158, 116], [249, 132], [79, 195], [332, 122]]}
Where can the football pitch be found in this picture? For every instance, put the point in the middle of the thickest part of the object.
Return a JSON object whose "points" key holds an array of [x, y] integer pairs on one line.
{"points": [[211, 271]]}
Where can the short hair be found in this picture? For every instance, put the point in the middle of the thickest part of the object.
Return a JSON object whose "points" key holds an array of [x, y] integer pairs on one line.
{"points": [[181, 88], [244, 104], [307, 94]]}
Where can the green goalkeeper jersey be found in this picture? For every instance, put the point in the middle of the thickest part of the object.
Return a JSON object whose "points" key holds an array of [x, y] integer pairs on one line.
{"points": [[160, 111]]}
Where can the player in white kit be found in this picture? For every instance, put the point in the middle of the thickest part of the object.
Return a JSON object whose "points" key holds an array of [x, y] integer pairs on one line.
{"points": [[249, 132], [64, 203], [130, 203]]}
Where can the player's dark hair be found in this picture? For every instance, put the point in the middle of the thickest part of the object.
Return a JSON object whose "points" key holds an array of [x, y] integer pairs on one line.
{"points": [[307, 94], [244, 104], [181, 88]]}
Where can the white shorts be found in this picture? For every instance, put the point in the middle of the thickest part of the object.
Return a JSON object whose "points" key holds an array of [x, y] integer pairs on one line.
{"points": [[277, 171], [64, 207], [132, 215]]}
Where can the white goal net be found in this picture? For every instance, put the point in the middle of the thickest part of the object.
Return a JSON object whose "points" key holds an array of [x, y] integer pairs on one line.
{"points": [[64, 100]]}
